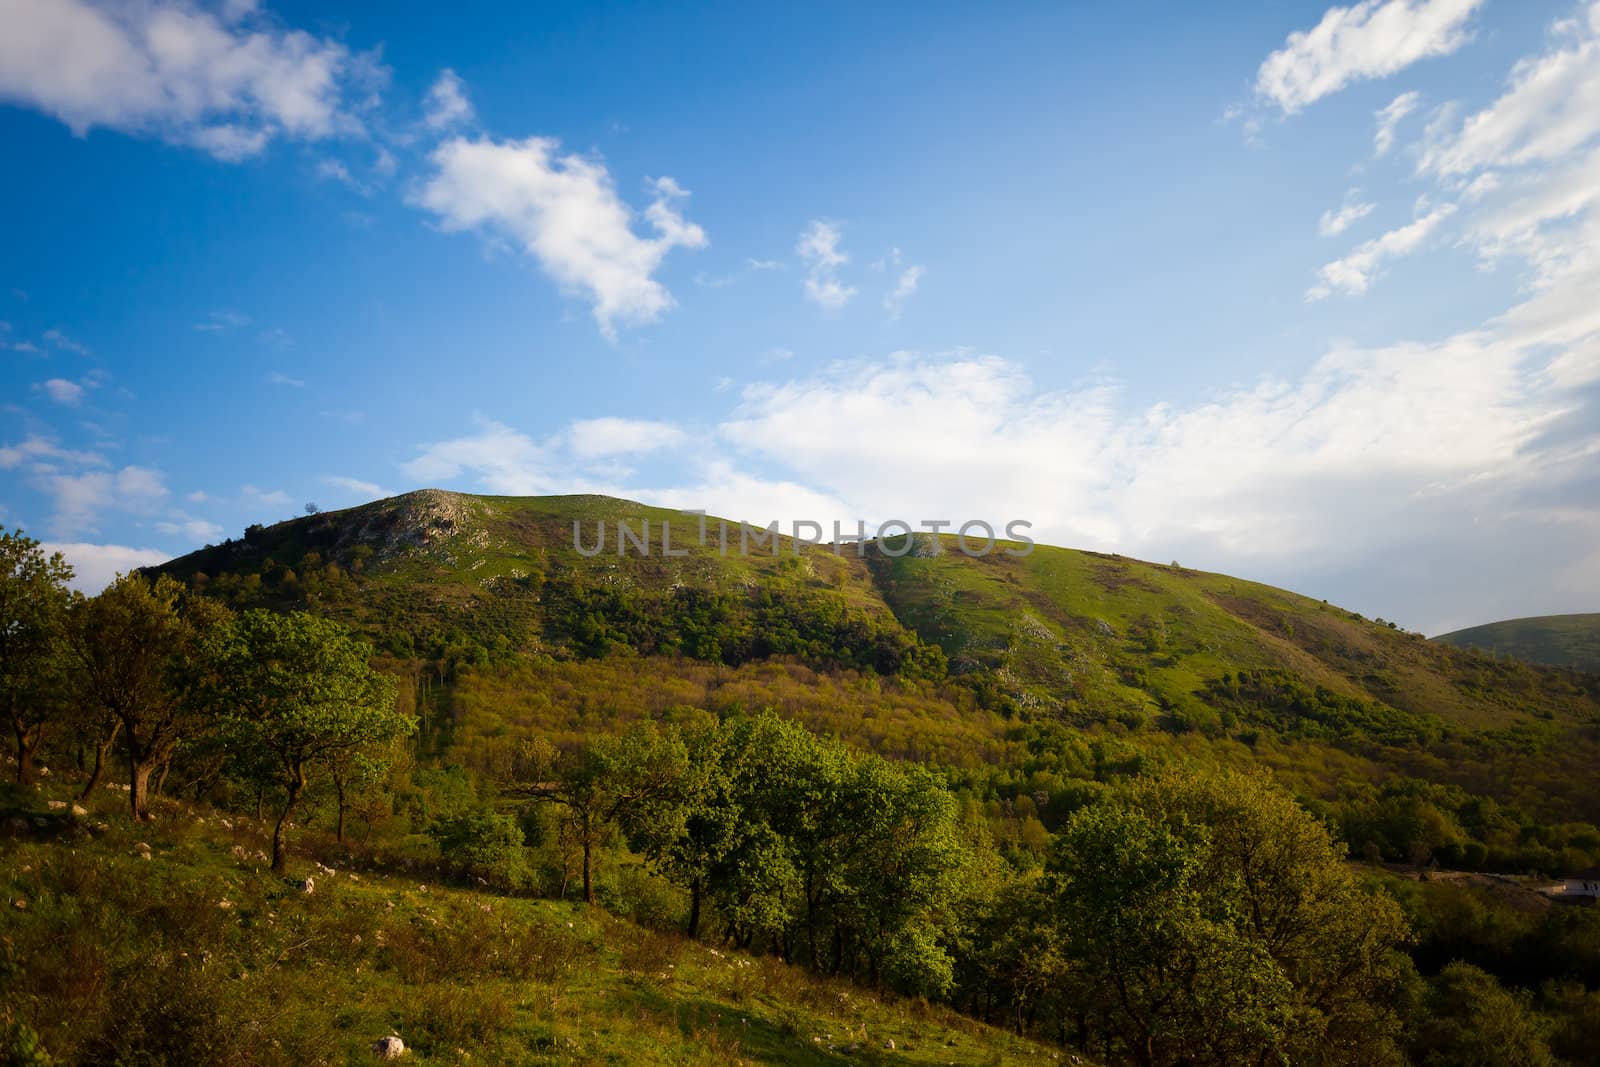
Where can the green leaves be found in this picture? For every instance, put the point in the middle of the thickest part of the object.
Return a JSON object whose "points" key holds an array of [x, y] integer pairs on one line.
{"points": [[303, 688], [1212, 918]]}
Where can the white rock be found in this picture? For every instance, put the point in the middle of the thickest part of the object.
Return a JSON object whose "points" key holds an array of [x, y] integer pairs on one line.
{"points": [[388, 1048]]}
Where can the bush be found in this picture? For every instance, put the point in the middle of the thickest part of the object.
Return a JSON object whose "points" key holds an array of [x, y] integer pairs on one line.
{"points": [[485, 845]]}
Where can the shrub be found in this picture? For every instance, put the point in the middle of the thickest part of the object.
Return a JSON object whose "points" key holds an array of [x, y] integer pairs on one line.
{"points": [[484, 844]]}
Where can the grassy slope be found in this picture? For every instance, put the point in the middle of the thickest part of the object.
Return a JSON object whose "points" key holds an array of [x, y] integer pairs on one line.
{"points": [[1086, 637], [1061, 625], [1558, 640], [102, 945]]}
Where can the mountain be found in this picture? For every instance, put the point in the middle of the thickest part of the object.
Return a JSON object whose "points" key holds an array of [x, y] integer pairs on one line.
{"points": [[911, 648], [1555, 640]]}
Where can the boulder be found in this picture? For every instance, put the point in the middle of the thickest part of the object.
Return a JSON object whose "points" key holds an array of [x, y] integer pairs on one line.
{"points": [[388, 1048]]}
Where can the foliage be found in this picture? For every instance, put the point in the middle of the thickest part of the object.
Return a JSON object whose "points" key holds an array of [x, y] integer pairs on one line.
{"points": [[1211, 918], [300, 688], [33, 609], [484, 845]]}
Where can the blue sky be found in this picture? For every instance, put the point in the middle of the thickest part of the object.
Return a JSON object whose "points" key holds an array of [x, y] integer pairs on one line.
{"points": [[1307, 294]]}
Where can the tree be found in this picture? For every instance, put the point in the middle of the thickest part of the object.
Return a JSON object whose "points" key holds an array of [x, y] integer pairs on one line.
{"points": [[1213, 920], [607, 782], [33, 606], [1473, 1021], [142, 649], [301, 690]]}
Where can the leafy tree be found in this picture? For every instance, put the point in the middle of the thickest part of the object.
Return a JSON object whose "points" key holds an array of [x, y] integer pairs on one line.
{"points": [[606, 782], [302, 689], [142, 651], [33, 607], [1215, 921], [1473, 1021]]}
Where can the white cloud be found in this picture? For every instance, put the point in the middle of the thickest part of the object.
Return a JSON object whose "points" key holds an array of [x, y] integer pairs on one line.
{"points": [[357, 487], [763, 264], [195, 530], [80, 499], [221, 322], [446, 104], [279, 378], [895, 302], [500, 459], [36, 450], [1372, 39], [226, 84], [62, 391], [1354, 273], [1389, 118], [818, 248], [1335, 222], [94, 566], [591, 438], [57, 339], [1552, 108], [564, 211]]}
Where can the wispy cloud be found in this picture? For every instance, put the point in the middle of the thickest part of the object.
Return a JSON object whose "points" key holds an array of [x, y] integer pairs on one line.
{"points": [[1389, 118], [221, 322], [894, 303], [355, 487], [447, 104], [280, 378], [57, 339], [1372, 39], [1335, 221], [818, 248], [1353, 274]]}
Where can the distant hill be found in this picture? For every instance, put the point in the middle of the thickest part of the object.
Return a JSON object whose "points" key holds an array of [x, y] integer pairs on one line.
{"points": [[913, 650], [1555, 640]]}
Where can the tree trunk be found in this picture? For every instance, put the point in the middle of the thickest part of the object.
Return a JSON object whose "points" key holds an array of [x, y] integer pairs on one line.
{"points": [[338, 785], [161, 777], [694, 908], [101, 751], [280, 846], [588, 878], [27, 744], [139, 786]]}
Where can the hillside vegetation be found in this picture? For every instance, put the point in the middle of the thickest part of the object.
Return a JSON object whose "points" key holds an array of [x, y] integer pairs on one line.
{"points": [[1554, 640], [1125, 808]]}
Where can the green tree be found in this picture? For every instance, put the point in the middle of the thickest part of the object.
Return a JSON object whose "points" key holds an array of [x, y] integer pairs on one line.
{"points": [[142, 651], [608, 782], [1214, 921], [33, 608], [1472, 1021], [302, 689]]}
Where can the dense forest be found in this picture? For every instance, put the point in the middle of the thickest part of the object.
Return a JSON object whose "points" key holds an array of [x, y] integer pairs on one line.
{"points": [[1142, 813]]}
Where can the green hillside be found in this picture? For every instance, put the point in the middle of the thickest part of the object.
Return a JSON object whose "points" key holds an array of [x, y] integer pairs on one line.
{"points": [[503, 627], [1554, 640], [815, 799], [172, 944]]}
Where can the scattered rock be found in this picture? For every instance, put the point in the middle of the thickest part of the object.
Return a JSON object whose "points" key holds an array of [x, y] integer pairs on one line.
{"points": [[58, 805], [889, 1044], [308, 886], [142, 850], [79, 810], [388, 1048]]}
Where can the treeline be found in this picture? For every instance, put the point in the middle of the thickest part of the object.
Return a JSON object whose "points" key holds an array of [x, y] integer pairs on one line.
{"points": [[1176, 919], [267, 702]]}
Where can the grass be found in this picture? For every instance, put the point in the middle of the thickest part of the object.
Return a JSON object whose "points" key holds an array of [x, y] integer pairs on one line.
{"points": [[198, 954], [1557, 640]]}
